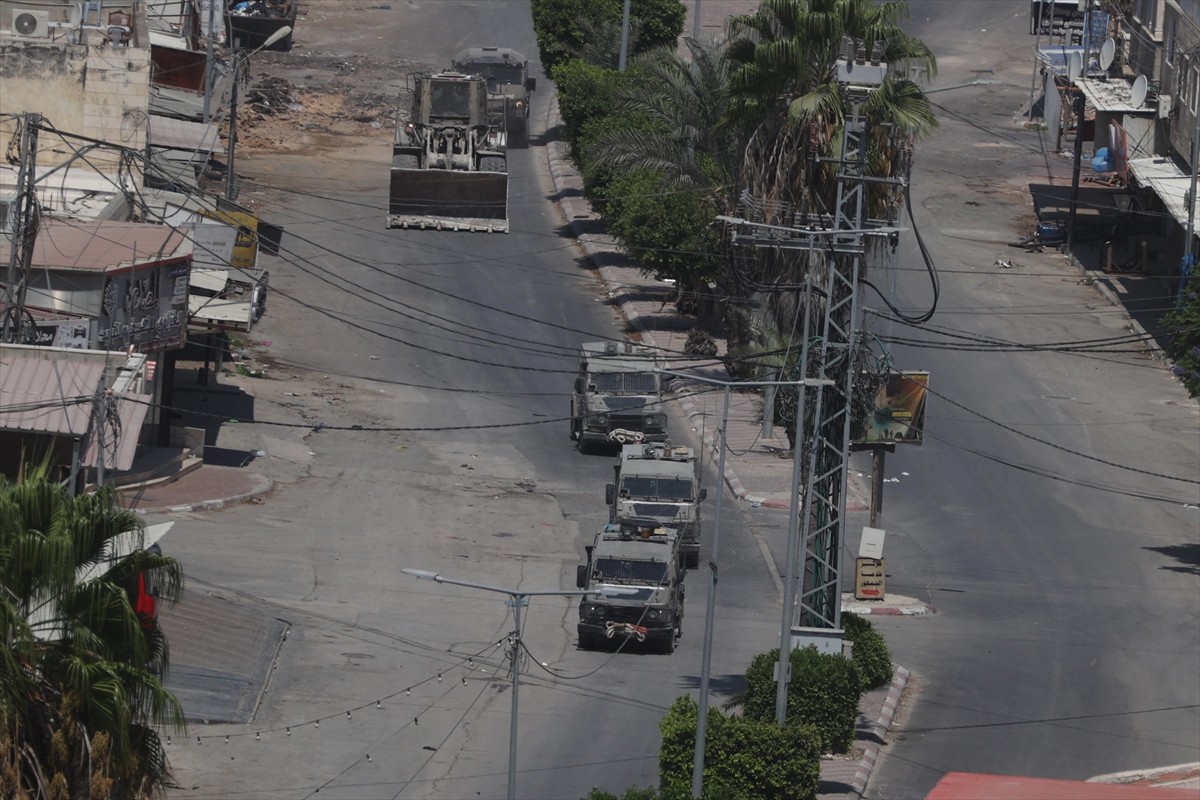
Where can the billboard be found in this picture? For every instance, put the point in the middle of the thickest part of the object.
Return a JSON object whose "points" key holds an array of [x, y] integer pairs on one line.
{"points": [[898, 415]]}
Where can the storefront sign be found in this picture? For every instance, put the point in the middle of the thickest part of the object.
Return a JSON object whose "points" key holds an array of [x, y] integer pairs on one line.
{"points": [[145, 308], [75, 334]]}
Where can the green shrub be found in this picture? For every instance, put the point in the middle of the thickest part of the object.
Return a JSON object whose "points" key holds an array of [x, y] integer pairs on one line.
{"points": [[666, 228], [597, 177], [632, 793], [870, 652], [585, 93], [824, 692], [744, 759]]}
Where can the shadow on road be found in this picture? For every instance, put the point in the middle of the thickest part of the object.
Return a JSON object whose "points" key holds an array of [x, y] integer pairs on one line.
{"points": [[1186, 554]]}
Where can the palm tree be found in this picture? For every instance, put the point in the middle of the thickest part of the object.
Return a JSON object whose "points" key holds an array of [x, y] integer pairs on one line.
{"points": [[783, 82], [783, 85], [81, 669], [686, 102]]}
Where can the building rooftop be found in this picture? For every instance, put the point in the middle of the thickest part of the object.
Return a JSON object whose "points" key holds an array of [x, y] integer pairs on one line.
{"points": [[87, 246]]}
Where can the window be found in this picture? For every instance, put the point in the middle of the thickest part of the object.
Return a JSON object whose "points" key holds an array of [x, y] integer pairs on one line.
{"points": [[620, 569], [1146, 12], [628, 382], [1169, 42], [673, 489]]}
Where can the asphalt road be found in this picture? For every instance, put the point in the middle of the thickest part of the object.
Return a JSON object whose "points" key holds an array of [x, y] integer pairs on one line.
{"points": [[1067, 642], [446, 332]]}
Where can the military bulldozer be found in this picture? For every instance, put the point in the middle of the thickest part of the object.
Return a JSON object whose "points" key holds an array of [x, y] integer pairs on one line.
{"points": [[507, 74], [449, 166]]}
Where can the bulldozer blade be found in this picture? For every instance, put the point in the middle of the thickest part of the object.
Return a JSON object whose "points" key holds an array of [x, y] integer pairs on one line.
{"points": [[449, 200]]}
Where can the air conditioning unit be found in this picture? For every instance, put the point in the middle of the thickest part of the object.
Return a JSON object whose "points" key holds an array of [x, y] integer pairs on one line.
{"points": [[1165, 106], [30, 24]]}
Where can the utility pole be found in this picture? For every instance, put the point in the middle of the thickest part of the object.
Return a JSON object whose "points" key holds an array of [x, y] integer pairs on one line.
{"points": [[239, 62], [1080, 107], [623, 56], [517, 599], [16, 283], [209, 65], [836, 249]]}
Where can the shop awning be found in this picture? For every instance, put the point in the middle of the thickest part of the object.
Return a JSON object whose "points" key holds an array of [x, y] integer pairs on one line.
{"points": [[57, 397], [235, 314], [1170, 183]]}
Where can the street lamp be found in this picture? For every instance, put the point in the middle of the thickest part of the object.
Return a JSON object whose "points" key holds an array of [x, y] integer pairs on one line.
{"points": [[793, 527], [238, 59], [517, 599]]}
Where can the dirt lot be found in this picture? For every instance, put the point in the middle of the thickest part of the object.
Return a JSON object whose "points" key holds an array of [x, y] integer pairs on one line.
{"points": [[321, 95]]}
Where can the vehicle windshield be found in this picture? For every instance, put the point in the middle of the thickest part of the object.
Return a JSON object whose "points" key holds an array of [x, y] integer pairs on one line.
{"points": [[627, 382], [450, 99], [674, 489], [624, 569], [495, 74]]}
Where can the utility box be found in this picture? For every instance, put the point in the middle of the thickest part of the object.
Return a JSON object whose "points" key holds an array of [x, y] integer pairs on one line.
{"points": [[870, 568], [826, 640]]}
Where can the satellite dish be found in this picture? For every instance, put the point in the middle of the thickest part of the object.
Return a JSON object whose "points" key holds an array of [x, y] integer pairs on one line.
{"points": [[1108, 52], [1137, 94], [1074, 65]]}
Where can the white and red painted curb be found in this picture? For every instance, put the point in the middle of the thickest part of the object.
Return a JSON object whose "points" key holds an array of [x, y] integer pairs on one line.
{"points": [[880, 727], [263, 485], [890, 611]]}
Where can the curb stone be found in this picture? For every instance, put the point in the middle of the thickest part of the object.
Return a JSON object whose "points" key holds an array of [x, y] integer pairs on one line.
{"points": [[880, 727], [265, 485]]}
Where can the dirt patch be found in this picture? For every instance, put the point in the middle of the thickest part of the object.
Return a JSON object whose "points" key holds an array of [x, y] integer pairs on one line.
{"points": [[278, 116], [334, 89]]}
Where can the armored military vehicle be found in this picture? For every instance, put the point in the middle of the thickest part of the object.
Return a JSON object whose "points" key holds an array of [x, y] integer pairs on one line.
{"points": [[449, 164], [618, 396], [642, 559], [662, 483], [507, 74]]}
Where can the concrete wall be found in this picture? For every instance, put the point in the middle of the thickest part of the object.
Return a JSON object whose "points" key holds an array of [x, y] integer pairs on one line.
{"points": [[80, 85], [1181, 79]]}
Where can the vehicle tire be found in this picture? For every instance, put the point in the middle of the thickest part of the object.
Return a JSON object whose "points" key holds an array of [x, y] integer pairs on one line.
{"points": [[693, 559], [669, 645], [587, 641]]}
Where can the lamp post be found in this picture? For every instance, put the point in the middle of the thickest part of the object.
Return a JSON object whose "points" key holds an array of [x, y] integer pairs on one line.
{"points": [[517, 599], [793, 527], [238, 60]]}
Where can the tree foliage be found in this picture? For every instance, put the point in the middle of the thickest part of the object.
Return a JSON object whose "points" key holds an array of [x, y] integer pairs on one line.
{"points": [[81, 674], [744, 758], [590, 29], [1182, 325], [585, 93], [668, 229], [824, 692]]}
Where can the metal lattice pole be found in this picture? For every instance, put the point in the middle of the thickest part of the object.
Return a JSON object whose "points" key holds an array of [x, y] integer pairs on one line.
{"points": [[829, 438]]}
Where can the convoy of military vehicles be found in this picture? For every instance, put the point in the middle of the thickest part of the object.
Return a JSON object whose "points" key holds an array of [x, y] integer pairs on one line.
{"points": [[637, 562], [450, 172]]}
